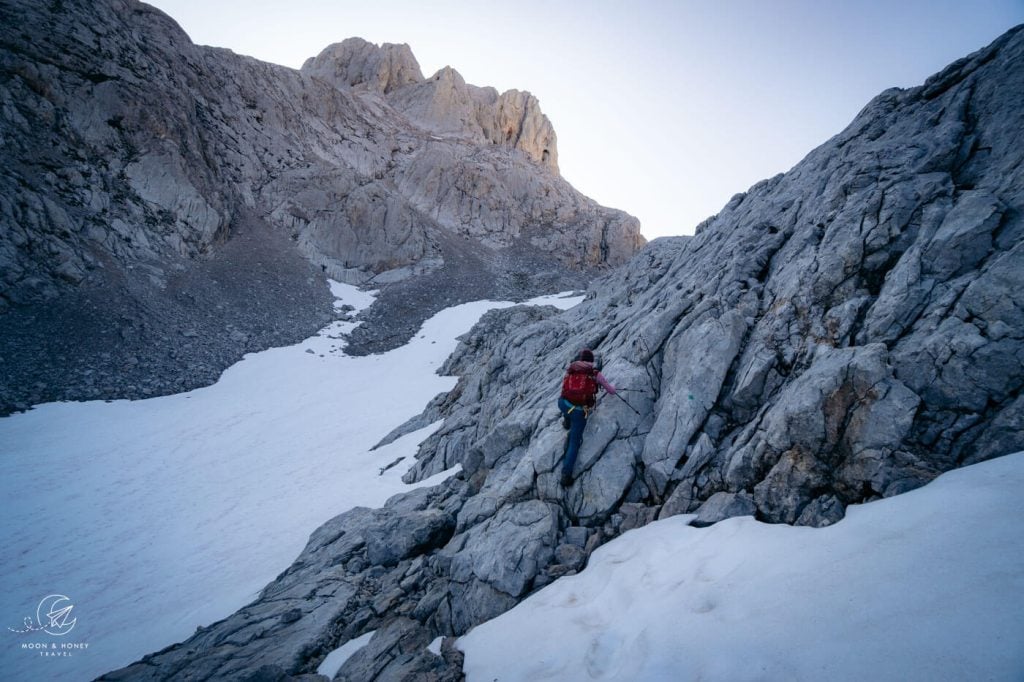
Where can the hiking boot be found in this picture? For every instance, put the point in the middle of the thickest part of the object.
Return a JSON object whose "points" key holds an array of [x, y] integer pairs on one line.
{"points": [[566, 480]]}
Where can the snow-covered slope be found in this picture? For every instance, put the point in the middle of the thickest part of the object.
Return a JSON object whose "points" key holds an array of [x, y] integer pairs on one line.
{"points": [[160, 515], [913, 587]]}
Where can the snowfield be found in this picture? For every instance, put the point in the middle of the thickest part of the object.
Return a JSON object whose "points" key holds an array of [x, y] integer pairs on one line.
{"points": [[928, 585], [157, 516]]}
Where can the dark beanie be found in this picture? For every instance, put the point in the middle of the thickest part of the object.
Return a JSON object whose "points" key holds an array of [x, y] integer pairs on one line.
{"points": [[586, 355]]}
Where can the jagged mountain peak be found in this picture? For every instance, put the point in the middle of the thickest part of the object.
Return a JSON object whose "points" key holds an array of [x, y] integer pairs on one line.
{"points": [[355, 63], [444, 103]]}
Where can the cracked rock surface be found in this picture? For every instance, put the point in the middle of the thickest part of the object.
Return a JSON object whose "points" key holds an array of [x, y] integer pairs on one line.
{"points": [[840, 333], [132, 160]]}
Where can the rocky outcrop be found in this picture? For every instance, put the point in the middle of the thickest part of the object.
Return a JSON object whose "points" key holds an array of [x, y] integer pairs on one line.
{"points": [[131, 156], [444, 103], [839, 333], [842, 332], [356, 63]]}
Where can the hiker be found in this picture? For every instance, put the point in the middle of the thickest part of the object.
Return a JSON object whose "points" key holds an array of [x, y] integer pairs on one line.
{"points": [[579, 393]]}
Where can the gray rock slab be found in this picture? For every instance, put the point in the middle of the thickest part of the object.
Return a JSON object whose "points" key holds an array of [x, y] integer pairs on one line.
{"points": [[723, 505], [508, 550]]}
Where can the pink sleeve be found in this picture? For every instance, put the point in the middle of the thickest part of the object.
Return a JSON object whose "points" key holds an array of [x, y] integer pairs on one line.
{"points": [[604, 383]]}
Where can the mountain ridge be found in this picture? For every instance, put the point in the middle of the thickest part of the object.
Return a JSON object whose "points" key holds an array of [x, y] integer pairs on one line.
{"points": [[135, 157], [443, 103]]}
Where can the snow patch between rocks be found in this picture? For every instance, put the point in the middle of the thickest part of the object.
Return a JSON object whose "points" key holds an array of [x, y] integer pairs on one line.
{"points": [[332, 664], [350, 295], [563, 300]]}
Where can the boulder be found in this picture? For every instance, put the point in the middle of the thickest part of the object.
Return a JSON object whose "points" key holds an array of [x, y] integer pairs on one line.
{"points": [[398, 651], [721, 506], [398, 536]]}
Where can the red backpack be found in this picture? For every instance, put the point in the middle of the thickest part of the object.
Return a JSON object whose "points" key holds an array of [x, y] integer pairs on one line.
{"points": [[579, 386]]}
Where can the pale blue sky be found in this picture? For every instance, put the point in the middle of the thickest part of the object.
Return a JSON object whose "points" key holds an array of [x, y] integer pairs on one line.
{"points": [[663, 109]]}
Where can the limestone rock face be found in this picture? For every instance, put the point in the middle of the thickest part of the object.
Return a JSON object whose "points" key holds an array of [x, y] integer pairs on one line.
{"points": [[356, 63], [443, 104], [132, 158], [840, 333]]}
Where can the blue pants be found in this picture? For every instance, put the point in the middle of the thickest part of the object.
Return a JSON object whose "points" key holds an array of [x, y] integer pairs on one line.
{"points": [[577, 422]]}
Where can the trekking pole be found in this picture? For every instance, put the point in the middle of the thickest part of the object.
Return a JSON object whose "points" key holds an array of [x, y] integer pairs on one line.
{"points": [[627, 404]]}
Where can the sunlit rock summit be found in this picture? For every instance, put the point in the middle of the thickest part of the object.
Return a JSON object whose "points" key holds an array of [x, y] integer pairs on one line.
{"points": [[170, 206], [444, 103]]}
